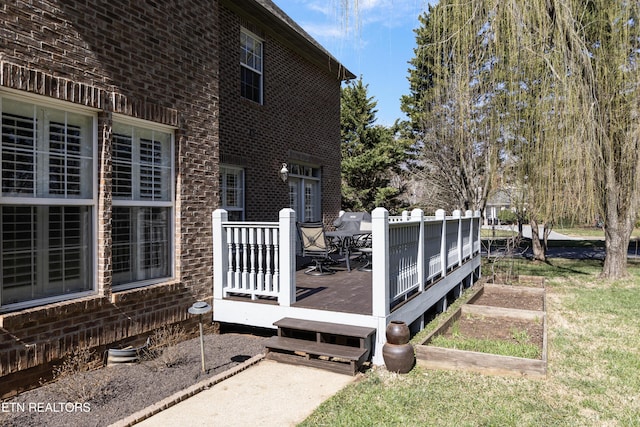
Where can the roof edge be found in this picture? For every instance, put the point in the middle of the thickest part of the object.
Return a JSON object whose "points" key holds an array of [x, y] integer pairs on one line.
{"points": [[305, 44]]}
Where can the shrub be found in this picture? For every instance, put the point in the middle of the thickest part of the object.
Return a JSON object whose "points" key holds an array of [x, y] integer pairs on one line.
{"points": [[162, 350], [507, 216], [73, 377]]}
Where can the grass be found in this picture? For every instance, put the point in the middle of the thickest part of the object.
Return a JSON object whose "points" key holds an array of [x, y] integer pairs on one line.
{"points": [[487, 233], [594, 337], [519, 347], [590, 232]]}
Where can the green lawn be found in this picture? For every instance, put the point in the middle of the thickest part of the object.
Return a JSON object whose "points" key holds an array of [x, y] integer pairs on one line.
{"points": [[584, 232], [594, 233], [593, 372], [487, 233]]}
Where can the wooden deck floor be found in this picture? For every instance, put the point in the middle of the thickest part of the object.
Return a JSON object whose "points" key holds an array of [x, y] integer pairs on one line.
{"points": [[348, 292]]}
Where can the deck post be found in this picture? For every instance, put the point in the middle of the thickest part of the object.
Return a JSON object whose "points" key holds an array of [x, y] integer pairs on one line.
{"points": [[469, 214], [441, 216], [287, 227], [458, 214], [220, 258], [477, 244], [380, 261], [418, 215]]}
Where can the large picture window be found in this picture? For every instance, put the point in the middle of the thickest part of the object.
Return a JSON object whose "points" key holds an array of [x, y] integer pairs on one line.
{"points": [[47, 203], [142, 204], [250, 66]]}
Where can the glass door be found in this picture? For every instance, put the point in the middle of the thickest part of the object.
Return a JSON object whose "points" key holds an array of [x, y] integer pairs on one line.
{"points": [[304, 195]]}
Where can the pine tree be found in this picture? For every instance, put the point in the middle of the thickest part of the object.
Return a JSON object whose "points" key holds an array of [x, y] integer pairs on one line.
{"points": [[372, 155]]}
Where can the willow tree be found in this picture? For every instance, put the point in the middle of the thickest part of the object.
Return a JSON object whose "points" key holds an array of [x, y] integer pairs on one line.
{"points": [[550, 85], [576, 64], [553, 86], [610, 59], [538, 105]]}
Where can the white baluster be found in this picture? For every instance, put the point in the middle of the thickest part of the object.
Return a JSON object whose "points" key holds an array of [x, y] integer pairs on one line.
{"points": [[268, 283], [260, 274]]}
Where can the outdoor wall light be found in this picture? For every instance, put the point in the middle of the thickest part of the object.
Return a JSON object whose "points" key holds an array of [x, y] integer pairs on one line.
{"points": [[200, 308], [284, 172]]}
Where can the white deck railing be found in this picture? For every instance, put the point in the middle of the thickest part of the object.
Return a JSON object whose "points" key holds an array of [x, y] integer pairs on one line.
{"points": [[419, 250], [255, 259], [258, 259]]}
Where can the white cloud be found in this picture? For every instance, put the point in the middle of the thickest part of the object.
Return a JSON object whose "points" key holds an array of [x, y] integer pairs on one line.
{"points": [[345, 21], [324, 31], [321, 7], [390, 13]]}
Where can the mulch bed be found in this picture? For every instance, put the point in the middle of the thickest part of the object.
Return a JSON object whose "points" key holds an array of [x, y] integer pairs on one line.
{"points": [[107, 395]]}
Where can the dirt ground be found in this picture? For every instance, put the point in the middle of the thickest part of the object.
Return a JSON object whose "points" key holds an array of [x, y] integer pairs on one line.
{"points": [[483, 327], [497, 297], [106, 395], [498, 328]]}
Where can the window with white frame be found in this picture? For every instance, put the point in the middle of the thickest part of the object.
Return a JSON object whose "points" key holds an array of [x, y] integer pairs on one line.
{"points": [[47, 204], [250, 66], [143, 203], [232, 192]]}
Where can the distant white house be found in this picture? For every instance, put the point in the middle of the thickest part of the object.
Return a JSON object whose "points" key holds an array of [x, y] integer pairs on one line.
{"points": [[503, 198]]}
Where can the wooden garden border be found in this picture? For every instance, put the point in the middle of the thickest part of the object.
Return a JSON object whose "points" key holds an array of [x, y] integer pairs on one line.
{"points": [[432, 357]]}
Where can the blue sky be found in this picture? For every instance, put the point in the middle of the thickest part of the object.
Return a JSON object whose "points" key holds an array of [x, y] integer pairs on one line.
{"points": [[376, 42]]}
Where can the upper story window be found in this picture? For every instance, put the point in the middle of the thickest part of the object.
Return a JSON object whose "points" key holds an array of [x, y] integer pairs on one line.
{"points": [[143, 209], [47, 204], [232, 191], [251, 66]]}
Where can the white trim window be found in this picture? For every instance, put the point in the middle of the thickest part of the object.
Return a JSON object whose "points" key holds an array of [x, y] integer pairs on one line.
{"points": [[232, 191], [47, 204], [143, 204], [251, 66]]}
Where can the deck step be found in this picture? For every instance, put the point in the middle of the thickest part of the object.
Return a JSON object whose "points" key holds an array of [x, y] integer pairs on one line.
{"points": [[332, 346], [324, 327], [334, 357]]}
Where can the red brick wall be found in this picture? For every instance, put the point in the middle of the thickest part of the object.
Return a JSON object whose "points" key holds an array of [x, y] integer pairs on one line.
{"points": [[161, 61], [151, 60], [299, 121]]}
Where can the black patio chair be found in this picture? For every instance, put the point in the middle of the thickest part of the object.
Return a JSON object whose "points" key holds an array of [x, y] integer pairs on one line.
{"points": [[363, 245], [316, 246]]}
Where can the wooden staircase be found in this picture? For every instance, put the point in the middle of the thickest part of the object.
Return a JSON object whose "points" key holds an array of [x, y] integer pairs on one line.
{"points": [[331, 346]]}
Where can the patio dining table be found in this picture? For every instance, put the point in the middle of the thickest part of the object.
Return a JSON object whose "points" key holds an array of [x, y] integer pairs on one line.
{"points": [[345, 241]]}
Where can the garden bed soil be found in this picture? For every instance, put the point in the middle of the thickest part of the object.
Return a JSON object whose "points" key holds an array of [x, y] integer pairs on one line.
{"points": [[104, 396], [517, 280], [506, 296], [499, 328], [493, 313]]}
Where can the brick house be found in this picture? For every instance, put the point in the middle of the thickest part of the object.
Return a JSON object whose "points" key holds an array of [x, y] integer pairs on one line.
{"points": [[124, 125]]}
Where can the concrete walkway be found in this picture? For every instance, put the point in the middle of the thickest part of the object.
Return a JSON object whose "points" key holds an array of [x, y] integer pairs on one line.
{"points": [[266, 393]]}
